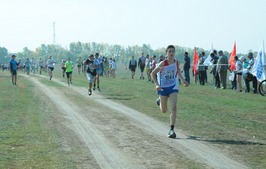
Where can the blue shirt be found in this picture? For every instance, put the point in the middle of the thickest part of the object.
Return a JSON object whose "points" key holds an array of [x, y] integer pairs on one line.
{"points": [[187, 64], [13, 64]]}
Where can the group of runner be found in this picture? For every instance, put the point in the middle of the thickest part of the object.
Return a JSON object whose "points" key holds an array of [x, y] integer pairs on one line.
{"points": [[164, 75]]}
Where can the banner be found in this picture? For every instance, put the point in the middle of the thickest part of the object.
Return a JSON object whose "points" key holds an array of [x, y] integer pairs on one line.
{"points": [[232, 60], [207, 61], [258, 67]]}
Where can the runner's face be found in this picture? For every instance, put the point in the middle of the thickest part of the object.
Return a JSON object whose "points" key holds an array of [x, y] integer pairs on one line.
{"points": [[170, 52]]}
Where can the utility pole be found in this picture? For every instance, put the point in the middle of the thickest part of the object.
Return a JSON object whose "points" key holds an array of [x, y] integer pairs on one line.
{"points": [[54, 32]]}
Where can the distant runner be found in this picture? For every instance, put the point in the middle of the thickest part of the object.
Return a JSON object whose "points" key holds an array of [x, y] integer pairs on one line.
{"points": [[79, 64], [69, 69], [50, 66], [13, 69], [91, 71]]}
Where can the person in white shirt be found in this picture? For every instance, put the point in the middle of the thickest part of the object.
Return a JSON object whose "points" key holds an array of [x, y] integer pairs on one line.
{"points": [[41, 65], [50, 66], [238, 71], [113, 68], [165, 77]]}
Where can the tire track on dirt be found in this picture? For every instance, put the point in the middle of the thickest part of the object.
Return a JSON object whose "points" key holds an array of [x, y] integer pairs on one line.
{"points": [[105, 155], [195, 150]]}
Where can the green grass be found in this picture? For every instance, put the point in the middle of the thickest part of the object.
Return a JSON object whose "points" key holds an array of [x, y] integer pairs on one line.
{"points": [[235, 122], [26, 139]]}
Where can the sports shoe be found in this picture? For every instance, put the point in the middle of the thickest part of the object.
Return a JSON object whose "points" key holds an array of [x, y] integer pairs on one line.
{"points": [[171, 134], [158, 101], [98, 89], [89, 92]]}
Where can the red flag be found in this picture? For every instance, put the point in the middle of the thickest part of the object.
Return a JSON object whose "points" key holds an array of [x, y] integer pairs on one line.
{"points": [[195, 61], [232, 60]]}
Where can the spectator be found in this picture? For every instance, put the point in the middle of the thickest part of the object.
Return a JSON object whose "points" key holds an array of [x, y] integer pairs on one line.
{"points": [[186, 67], [214, 60], [249, 77], [132, 66], [141, 64], [222, 68], [238, 73]]}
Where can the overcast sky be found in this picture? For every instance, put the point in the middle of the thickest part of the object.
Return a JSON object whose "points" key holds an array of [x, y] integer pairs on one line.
{"points": [[186, 23]]}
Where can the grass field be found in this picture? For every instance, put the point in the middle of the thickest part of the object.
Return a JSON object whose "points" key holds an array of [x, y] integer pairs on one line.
{"points": [[235, 122]]}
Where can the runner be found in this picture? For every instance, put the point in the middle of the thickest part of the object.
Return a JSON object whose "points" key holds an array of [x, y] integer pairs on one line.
{"points": [[13, 69], [33, 65], [41, 65], [91, 71], [148, 67], [50, 66], [106, 67], [132, 66], [79, 64], [165, 78], [69, 69], [63, 67], [99, 71], [27, 66], [113, 68]]}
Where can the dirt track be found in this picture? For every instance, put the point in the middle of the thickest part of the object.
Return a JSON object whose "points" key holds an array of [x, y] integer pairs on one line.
{"points": [[116, 136]]}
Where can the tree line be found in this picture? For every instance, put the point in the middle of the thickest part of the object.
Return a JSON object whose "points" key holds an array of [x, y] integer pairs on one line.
{"points": [[121, 54]]}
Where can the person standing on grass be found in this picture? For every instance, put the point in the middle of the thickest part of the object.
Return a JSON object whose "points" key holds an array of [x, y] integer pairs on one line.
{"points": [[201, 70], [141, 64], [13, 69], [214, 60], [222, 68], [69, 69], [113, 68], [186, 67], [238, 71], [148, 67], [165, 77], [249, 77], [206, 67], [106, 67], [50, 66], [132, 66], [91, 71]]}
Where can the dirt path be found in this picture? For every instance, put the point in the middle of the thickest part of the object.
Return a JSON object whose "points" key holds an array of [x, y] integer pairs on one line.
{"points": [[120, 137]]}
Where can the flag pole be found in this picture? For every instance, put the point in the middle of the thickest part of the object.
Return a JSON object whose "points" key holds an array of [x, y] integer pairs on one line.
{"points": [[263, 50]]}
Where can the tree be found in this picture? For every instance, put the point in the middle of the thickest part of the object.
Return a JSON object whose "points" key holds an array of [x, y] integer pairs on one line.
{"points": [[3, 54]]}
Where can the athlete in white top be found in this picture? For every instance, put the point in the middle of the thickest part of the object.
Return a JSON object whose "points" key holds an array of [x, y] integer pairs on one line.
{"points": [[165, 77], [41, 65], [50, 66]]}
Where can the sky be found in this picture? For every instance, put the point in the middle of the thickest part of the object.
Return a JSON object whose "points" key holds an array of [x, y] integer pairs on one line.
{"points": [[186, 23]]}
